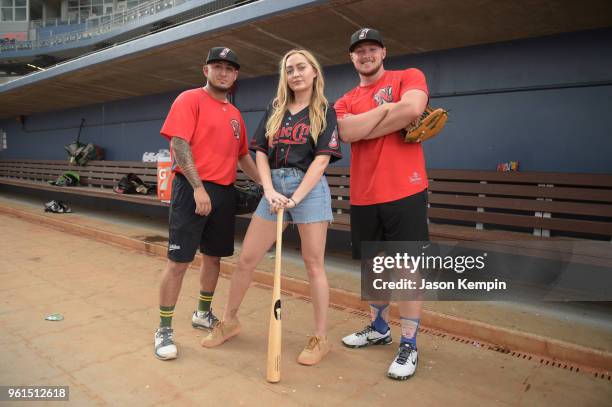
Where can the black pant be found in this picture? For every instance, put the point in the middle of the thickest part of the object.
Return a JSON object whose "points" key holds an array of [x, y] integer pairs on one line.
{"points": [[402, 220], [213, 234]]}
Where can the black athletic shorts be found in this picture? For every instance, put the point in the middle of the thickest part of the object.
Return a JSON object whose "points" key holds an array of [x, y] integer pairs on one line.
{"points": [[402, 220], [213, 234]]}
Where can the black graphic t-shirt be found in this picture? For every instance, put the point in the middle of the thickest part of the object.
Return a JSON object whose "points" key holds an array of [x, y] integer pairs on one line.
{"points": [[292, 145]]}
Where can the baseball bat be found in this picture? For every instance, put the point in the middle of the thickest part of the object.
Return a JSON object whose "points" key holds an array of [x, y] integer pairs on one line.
{"points": [[274, 333]]}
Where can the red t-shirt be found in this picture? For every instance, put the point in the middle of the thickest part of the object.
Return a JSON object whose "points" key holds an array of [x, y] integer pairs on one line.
{"points": [[386, 168], [214, 130]]}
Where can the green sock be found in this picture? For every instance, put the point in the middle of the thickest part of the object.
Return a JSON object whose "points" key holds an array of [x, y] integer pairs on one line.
{"points": [[165, 316], [205, 300]]}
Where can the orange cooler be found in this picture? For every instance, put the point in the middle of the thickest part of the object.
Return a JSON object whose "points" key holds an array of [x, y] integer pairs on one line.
{"points": [[164, 179]]}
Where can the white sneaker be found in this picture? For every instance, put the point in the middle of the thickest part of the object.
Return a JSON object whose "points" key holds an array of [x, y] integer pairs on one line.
{"points": [[204, 319], [366, 337], [405, 363], [165, 349]]}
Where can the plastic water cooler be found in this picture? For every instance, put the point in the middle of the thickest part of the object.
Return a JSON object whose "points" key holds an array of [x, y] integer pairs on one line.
{"points": [[164, 175]]}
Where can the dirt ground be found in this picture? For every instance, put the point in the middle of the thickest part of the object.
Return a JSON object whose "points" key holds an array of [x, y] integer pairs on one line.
{"points": [[103, 349]]}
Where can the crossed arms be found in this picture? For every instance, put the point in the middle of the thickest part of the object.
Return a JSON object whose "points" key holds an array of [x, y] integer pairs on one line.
{"points": [[385, 119]]}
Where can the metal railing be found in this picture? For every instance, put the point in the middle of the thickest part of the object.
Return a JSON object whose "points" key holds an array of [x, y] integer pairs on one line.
{"points": [[120, 18], [96, 26], [56, 22]]}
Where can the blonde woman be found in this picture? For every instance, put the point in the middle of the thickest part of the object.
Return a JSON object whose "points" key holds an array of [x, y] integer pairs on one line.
{"points": [[294, 142]]}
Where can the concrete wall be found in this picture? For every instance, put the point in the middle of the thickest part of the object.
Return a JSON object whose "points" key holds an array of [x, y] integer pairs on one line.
{"points": [[543, 102], [125, 129], [14, 26]]}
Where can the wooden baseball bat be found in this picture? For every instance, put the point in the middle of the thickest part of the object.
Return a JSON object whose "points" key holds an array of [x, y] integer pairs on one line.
{"points": [[274, 333]]}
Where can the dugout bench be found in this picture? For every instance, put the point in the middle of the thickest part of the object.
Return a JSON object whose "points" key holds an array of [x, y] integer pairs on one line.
{"points": [[97, 178], [463, 204]]}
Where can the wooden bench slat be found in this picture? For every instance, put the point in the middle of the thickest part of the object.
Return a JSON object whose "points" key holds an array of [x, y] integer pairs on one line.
{"points": [[333, 180], [568, 193], [97, 164], [29, 176], [30, 172], [150, 169], [574, 208], [336, 191], [337, 171], [587, 180], [336, 204], [84, 180], [88, 191], [571, 225], [85, 169]]}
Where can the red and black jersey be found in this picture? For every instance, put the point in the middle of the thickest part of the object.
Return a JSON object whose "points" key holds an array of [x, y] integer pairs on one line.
{"points": [[292, 145]]}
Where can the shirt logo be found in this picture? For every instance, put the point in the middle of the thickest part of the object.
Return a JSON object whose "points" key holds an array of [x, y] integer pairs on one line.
{"points": [[296, 134], [224, 52], [235, 128], [384, 95], [363, 33], [333, 143], [415, 178]]}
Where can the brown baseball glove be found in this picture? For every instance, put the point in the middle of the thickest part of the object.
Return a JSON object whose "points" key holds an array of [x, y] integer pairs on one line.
{"points": [[430, 123]]}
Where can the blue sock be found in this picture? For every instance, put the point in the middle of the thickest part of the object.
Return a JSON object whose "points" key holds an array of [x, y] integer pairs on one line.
{"points": [[379, 322], [410, 327]]}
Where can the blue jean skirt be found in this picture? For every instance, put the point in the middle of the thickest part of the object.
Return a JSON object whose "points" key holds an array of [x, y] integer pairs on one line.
{"points": [[315, 207]]}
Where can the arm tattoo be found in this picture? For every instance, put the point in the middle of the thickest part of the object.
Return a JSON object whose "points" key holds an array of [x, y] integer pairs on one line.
{"points": [[184, 158]]}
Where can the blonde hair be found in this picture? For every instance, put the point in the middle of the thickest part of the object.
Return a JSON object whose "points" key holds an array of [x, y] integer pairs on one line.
{"points": [[318, 105]]}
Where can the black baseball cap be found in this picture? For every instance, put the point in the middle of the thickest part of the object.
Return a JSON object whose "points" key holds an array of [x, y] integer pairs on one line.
{"points": [[222, 54], [365, 34]]}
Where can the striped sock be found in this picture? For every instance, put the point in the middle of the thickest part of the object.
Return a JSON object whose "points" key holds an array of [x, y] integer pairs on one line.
{"points": [[165, 316], [205, 300], [410, 327]]}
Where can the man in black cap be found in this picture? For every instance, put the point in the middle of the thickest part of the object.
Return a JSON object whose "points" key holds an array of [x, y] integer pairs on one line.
{"points": [[208, 141], [388, 191]]}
